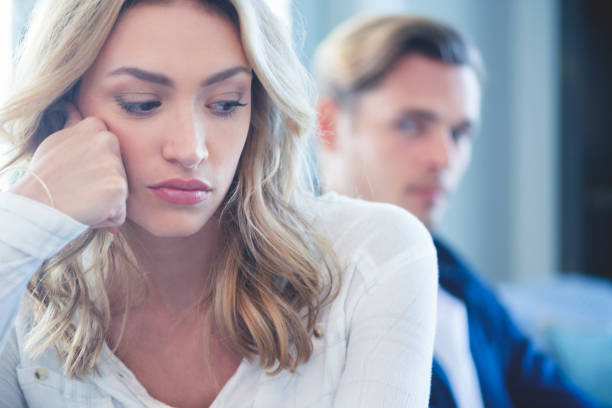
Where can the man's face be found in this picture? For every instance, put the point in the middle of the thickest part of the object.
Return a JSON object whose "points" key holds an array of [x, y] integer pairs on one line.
{"points": [[409, 140]]}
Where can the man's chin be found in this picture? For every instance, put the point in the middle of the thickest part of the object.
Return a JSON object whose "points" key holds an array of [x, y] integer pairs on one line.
{"points": [[427, 220], [435, 216], [428, 213]]}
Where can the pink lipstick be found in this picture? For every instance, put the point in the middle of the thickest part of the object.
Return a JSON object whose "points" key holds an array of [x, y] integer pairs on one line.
{"points": [[182, 191]]}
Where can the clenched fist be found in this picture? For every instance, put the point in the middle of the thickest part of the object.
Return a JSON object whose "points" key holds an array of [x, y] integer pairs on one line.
{"points": [[81, 165]]}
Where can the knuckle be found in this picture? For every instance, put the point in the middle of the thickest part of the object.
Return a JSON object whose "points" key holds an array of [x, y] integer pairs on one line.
{"points": [[111, 214], [118, 186], [44, 144], [123, 188], [105, 142], [121, 217], [110, 140], [118, 212], [93, 123], [51, 139]]}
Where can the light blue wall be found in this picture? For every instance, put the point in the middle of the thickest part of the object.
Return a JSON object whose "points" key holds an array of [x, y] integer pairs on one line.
{"points": [[503, 219]]}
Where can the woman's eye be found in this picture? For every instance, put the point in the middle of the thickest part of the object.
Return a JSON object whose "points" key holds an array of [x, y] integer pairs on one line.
{"points": [[141, 108], [225, 108]]}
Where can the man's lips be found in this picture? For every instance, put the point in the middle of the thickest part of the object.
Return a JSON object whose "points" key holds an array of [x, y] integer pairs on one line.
{"points": [[429, 194], [182, 191]]}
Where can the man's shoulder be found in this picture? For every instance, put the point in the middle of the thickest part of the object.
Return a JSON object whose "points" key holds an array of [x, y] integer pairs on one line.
{"points": [[456, 271], [462, 281]]}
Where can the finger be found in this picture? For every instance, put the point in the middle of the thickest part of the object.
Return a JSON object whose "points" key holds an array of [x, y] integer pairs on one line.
{"points": [[106, 224], [73, 116], [116, 220], [113, 229]]}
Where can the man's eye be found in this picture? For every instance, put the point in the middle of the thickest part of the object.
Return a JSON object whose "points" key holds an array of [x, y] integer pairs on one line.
{"points": [[225, 108], [409, 126], [458, 134]]}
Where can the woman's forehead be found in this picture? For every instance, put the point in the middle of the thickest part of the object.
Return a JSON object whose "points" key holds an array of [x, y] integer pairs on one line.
{"points": [[173, 37]]}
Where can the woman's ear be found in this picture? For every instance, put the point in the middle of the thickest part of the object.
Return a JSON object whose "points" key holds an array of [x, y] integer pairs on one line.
{"points": [[327, 114]]}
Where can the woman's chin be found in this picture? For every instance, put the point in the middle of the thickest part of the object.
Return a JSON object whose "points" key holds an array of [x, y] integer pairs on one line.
{"points": [[179, 227]]}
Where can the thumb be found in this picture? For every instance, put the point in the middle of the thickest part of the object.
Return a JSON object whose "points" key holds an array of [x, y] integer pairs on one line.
{"points": [[73, 116]]}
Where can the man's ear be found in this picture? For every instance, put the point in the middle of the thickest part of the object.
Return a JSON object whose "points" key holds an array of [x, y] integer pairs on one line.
{"points": [[327, 115]]}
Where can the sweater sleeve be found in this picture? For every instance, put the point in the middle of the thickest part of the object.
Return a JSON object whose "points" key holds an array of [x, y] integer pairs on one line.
{"points": [[392, 323], [31, 233]]}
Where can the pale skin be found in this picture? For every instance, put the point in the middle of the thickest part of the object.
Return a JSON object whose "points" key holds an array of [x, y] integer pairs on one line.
{"points": [[168, 97], [407, 141]]}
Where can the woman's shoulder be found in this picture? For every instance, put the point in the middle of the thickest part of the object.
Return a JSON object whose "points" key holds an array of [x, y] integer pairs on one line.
{"points": [[387, 260], [379, 229], [341, 213]]}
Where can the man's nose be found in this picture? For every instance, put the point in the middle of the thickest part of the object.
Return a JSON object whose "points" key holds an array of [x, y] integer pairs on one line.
{"points": [[440, 148], [186, 143]]}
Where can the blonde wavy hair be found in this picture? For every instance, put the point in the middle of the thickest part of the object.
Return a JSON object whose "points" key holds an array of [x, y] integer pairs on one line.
{"points": [[276, 271]]}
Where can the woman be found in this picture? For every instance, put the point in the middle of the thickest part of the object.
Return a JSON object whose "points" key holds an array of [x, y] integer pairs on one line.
{"points": [[163, 234]]}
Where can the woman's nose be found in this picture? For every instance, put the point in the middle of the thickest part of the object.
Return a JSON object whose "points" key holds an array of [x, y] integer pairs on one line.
{"points": [[186, 141]]}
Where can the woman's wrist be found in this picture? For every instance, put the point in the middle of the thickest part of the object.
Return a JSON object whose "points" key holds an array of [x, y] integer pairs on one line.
{"points": [[32, 186]]}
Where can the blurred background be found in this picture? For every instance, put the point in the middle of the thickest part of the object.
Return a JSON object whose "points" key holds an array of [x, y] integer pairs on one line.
{"points": [[534, 212]]}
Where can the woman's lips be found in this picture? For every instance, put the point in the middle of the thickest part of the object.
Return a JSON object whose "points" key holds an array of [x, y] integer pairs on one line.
{"points": [[184, 197], [181, 191]]}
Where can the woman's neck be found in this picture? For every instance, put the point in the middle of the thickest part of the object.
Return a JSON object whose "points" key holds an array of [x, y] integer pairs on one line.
{"points": [[177, 268]]}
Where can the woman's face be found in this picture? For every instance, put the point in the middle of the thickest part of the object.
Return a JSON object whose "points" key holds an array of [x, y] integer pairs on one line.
{"points": [[173, 84]]}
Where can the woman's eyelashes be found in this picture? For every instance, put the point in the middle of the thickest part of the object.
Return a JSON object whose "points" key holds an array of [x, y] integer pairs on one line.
{"points": [[138, 106], [142, 107], [225, 108]]}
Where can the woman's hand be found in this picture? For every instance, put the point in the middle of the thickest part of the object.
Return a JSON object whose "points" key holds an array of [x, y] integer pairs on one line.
{"points": [[82, 168]]}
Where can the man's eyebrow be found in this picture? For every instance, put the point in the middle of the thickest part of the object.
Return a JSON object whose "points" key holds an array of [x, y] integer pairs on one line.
{"points": [[421, 114], [162, 79]]}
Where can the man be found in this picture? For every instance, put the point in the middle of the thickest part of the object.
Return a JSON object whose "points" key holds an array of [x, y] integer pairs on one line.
{"points": [[400, 99]]}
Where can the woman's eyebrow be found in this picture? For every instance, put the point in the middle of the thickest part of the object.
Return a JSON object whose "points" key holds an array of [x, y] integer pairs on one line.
{"points": [[143, 75], [162, 79], [226, 74]]}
